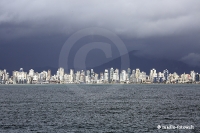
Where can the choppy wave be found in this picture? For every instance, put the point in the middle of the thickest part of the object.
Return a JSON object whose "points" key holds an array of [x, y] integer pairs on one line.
{"points": [[98, 108]]}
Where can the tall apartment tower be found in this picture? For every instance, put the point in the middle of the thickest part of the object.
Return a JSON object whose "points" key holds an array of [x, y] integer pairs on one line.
{"points": [[153, 75], [166, 74], [192, 74], [31, 72], [71, 77], [106, 76], [117, 74], [128, 73], [111, 74], [137, 74], [61, 73]]}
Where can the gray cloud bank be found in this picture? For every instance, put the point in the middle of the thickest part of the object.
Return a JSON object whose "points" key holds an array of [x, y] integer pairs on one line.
{"points": [[174, 25]]}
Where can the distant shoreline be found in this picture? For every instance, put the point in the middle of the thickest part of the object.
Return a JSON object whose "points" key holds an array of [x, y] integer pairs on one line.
{"points": [[110, 84]]}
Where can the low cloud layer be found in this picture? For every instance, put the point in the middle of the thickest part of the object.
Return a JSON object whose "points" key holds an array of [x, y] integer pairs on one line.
{"points": [[127, 18]]}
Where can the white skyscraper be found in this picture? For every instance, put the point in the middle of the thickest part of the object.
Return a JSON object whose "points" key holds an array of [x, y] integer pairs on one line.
{"points": [[106, 76], [82, 76], [78, 73], [192, 74], [123, 76], [31, 72], [87, 77], [61, 74], [117, 74], [153, 75], [128, 74], [111, 74], [137, 74], [101, 77], [71, 78]]}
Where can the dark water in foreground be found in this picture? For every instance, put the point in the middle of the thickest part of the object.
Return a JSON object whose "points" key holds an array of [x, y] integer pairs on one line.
{"points": [[98, 108]]}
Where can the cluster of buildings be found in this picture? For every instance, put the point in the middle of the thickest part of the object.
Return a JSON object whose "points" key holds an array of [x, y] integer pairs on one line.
{"points": [[109, 76]]}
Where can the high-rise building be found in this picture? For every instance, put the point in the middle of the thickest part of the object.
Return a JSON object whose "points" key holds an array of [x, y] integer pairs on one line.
{"points": [[87, 76], [88, 73], [92, 75], [142, 77], [117, 74], [101, 77], [49, 75], [21, 76], [123, 76], [128, 74], [133, 78], [106, 76], [197, 79], [160, 77], [192, 74], [71, 77], [82, 76], [137, 74], [166, 75], [61, 73], [31, 72], [111, 74], [96, 77], [153, 75], [175, 77]]}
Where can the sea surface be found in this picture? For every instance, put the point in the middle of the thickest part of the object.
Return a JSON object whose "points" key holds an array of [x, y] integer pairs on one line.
{"points": [[98, 108]]}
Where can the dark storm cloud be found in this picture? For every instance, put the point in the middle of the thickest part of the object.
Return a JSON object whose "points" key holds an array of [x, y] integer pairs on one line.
{"points": [[130, 18], [160, 26]]}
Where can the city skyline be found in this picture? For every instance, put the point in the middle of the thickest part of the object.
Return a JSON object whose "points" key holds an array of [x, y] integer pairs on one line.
{"points": [[113, 76]]}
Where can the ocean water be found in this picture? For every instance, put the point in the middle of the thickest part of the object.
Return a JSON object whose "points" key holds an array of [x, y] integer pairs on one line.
{"points": [[98, 108]]}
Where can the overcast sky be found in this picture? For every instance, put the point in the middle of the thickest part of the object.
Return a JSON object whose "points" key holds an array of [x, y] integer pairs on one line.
{"points": [[165, 29]]}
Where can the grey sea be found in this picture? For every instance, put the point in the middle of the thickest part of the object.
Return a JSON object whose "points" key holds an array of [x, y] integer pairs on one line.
{"points": [[99, 108]]}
